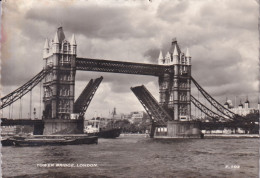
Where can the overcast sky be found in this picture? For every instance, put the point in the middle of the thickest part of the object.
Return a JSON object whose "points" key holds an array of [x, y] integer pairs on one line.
{"points": [[222, 36]]}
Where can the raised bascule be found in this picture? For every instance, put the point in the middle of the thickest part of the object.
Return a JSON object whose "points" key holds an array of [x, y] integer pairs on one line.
{"points": [[170, 117]]}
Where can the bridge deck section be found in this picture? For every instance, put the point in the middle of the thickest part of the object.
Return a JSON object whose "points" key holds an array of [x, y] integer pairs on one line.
{"points": [[101, 65]]}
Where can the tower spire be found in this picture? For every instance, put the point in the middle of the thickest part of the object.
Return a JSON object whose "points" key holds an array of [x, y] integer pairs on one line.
{"points": [[160, 58], [188, 57], [73, 45], [187, 53], [175, 55], [175, 52], [46, 45], [56, 40], [46, 48], [167, 58], [73, 40]]}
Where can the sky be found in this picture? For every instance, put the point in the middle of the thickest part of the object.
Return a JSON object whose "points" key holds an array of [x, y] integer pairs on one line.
{"points": [[222, 37]]}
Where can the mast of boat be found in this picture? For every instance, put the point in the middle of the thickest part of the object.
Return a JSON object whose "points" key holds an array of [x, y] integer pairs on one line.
{"points": [[99, 122], [114, 113], [95, 116]]}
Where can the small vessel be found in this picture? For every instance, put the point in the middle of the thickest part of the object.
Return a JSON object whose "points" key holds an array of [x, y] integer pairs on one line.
{"points": [[42, 140], [96, 127], [109, 133], [7, 141]]}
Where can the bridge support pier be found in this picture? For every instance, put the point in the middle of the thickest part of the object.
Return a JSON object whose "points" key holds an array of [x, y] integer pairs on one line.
{"points": [[183, 129], [178, 129], [62, 126], [152, 130], [38, 129]]}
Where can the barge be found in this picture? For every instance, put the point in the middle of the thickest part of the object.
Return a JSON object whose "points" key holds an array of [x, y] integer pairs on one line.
{"points": [[44, 140]]}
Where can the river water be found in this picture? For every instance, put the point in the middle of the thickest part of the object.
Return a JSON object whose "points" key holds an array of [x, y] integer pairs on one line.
{"points": [[136, 156]]}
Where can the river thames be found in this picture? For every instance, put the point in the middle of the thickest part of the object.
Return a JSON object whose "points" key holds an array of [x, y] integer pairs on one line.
{"points": [[136, 156]]}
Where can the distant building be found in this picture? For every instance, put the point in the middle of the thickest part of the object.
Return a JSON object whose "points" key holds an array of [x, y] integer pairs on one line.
{"points": [[242, 110], [113, 115], [8, 130], [97, 122], [137, 116]]}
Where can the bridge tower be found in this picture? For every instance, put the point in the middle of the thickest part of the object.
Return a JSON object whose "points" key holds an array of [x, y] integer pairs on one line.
{"points": [[175, 93], [59, 84], [175, 87]]}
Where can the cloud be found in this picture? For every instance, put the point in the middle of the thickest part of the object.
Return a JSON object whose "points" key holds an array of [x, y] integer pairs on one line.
{"points": [[172, 11], [152, 55], [93, 21]]}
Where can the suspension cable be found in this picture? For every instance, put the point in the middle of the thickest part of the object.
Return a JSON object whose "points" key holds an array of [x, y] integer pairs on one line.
{"points": [[40, 110], [198, 100]]}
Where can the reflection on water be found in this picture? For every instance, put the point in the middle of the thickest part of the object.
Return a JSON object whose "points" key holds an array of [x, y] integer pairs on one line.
{"points": [[137, 157]]}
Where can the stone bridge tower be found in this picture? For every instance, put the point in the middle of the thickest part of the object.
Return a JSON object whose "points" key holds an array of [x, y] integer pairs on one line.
{"points": [[59, 84], [175, 87]]}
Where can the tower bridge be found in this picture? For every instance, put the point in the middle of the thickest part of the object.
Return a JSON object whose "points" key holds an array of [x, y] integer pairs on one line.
{"points": [[62, 114]]}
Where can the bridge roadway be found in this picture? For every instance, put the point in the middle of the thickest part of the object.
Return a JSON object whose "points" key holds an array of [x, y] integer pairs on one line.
{"points": [[101, 65]]}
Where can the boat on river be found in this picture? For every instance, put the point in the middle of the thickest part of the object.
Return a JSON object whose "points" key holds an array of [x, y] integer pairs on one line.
{"points": [[97, 128], [103, 133], [42, 140], [7, 141]]}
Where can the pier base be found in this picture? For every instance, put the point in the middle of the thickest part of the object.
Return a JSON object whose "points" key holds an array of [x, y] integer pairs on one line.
{"points": [[61, 126], [180, 129], [38, 129]]}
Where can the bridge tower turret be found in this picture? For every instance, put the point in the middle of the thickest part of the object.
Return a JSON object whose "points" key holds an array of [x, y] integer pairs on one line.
{"points": [[188, 57], [175, 56], [73, 45], [59, 84], [160, 59], [46, 48], [168, 58]]}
